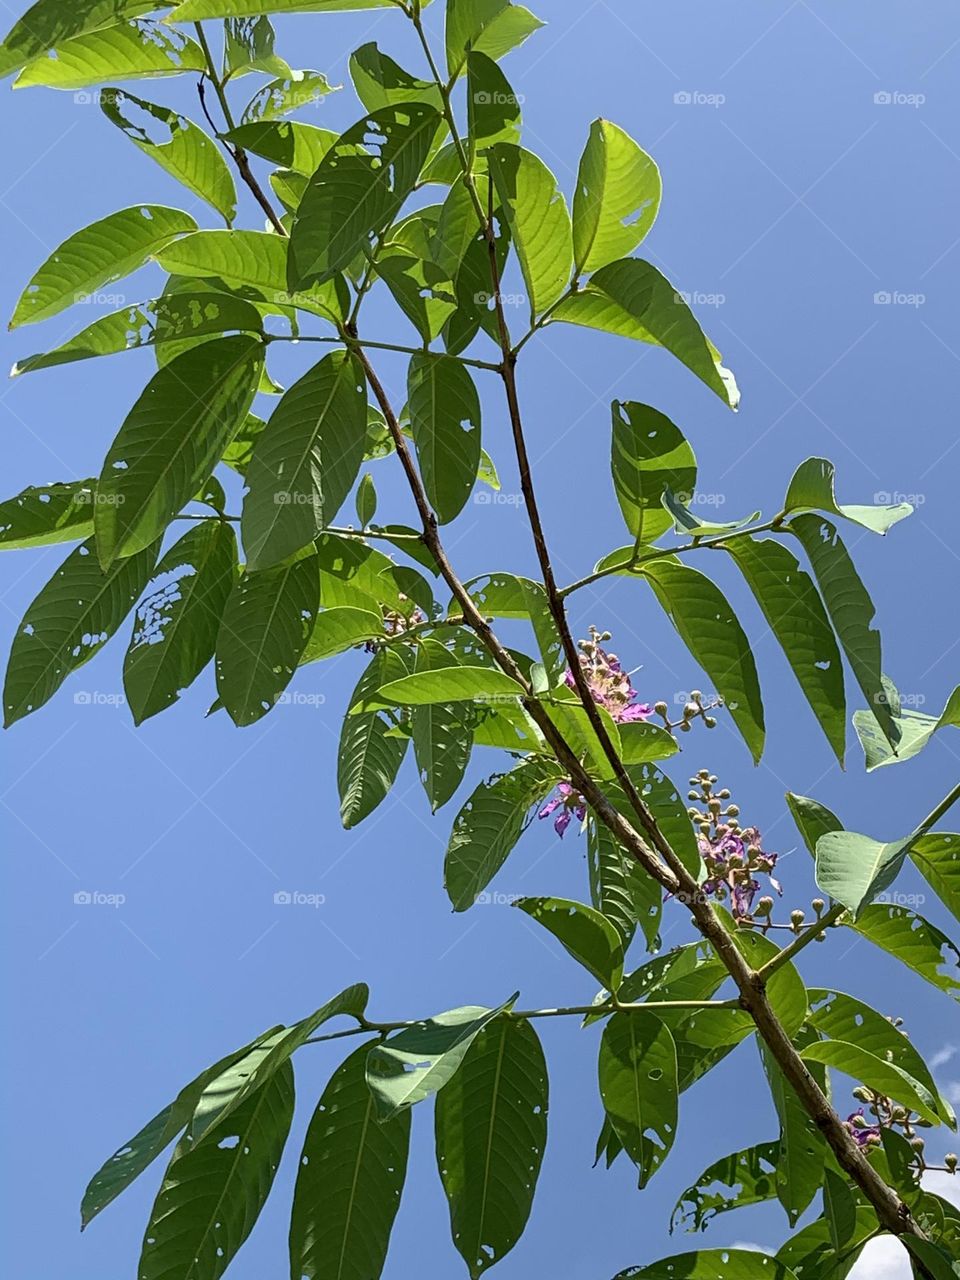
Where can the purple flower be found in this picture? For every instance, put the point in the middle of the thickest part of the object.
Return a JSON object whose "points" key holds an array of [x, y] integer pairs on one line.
{"points": [[570, 803], [864, 1135], [733, 858], [609, 684]]}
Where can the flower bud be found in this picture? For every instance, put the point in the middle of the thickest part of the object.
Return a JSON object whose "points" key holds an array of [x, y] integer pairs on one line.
{"points": [[862, 1094], [950, 1162], [763, 907], [696, 695], [733, 810], [690, 709], [818, 904], [711, 723], [661, 708], [917, 1143], [724, 794], [693, 795], [797, 918], [684, 725]]}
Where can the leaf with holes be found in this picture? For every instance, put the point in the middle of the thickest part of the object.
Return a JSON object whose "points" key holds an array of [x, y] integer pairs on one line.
{"points": [[180, 147], [196, 9], [493, 27], [850, 610], [307, 460], [631, 298], [288, 93], [709, 627], [617, 197], [444, 413], [741, 1178], [620, 889], [493, 109], [539, 222], [175, 630], [249, 45], [47, 24], [713, 1264], [135, 50], [916, 728], [381, 82], [212, 1194], [416, 1062], [358, 189], [349, 1183], [171, 440], [913, 940], [638, 1085], [71, 619], [648, 456], [288, 143], [368, 758], [46, 514], [583, 933], [266, 624], [487, 828], [491, 1130], [936, 856], [96, 256], [795, 614], [802, 1152]]}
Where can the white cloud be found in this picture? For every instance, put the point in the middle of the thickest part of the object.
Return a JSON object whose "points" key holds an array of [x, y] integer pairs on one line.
{"points": [[882, 1259], [943, 1056], [944, 1184], [750, 1245]]}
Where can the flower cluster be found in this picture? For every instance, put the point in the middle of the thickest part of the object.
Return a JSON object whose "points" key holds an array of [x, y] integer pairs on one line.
{"points": [[396, 623], [609, 683], [732, 854], [570, 804]]}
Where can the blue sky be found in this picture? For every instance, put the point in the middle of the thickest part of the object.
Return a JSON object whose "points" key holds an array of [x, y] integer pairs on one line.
{"points": [[795, 198]]}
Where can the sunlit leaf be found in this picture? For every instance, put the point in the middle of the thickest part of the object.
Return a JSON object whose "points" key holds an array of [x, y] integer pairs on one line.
{"points": [[638, 1085], [381, 82], [493, 27], [617, 197], [128, 51], [442, 733], [289, 93], [648, 456], [582, 931], [444, 410], [812, 489], [50, 23], [368, 758], [877, 1073], [741, 1178], [49, 513], [289, 143], [249, 45], [493, 109], [916, 728], [713, 1264]]}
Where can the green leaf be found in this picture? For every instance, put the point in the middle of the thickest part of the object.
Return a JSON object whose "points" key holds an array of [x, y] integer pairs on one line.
{"points": [[171, 440], [177, 145], [617, 197], [71, 619], [168, 321], [795, 614], [709, 627], [96, 256], [620, 889], [175, 631], [212, 1194], [669, 808], [812, 489], [916, 728], [196, 9], [288, 143], [48, 24], [842, 1017], [49, 513], [266, 624], [811, 1253], [491, 1130], [289, 93], [419, 289], [741, 1178], [444, 413], [130, 1160], [486, 829], [936, 856], [854, 869], [442, 733], [582, 931], [134, 50], [366, 500], [915, 941], [802, 1152], [358, 189], [248, 45], [506, 595], [631, 298], [368, 758], [649, 455], [349, 1182], [338, 629], [381, 82], [452, 684], [493, 27], [812, 818], [417, 1061], [850, 610], [307, 460], [493, 109], [638, 1085], [712, 1264], [935, 1261], [539, 222], [254, 260], [840, 1209], [877, 1073], [226, 1092], [685, 522]]}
